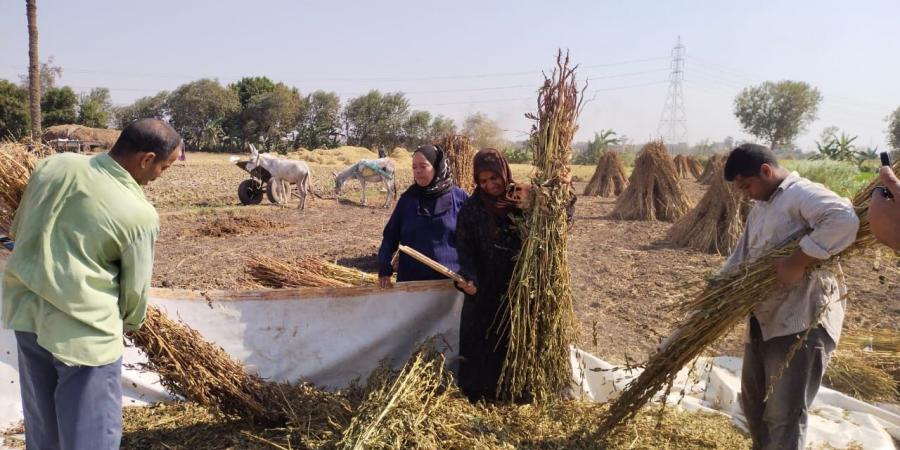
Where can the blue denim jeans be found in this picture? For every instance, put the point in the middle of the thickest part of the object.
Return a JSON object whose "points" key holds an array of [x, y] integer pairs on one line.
{"points": [[68, 407]]}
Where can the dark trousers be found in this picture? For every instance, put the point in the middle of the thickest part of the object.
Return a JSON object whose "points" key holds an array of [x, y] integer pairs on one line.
{"points": [[68, 407], [780, 422]]}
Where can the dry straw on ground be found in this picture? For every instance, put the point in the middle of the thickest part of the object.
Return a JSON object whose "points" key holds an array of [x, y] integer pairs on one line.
{"points": [[460, 154], [867, 366], [609, 176], [716, 223], [306, 272], [537, 314], [653, 192], [722, 304], [713, 168], [687, 166]]}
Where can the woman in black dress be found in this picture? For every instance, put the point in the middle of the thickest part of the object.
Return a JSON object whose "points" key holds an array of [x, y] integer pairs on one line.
{"points": [[487, 243]]}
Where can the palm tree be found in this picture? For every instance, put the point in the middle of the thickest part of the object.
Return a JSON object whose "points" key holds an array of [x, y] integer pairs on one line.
{"points": [[34, 70]]}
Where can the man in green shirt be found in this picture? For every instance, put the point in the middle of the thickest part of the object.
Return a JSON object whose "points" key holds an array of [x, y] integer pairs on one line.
{"points": [[80, 276]]}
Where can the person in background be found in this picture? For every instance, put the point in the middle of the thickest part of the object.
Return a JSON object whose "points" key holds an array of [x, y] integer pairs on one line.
{"points": [[424, 219], [808, 304], [884, 212], [78, 277]]}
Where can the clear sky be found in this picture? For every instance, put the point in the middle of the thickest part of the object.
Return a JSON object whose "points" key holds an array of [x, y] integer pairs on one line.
{"points": [[456, 58]]}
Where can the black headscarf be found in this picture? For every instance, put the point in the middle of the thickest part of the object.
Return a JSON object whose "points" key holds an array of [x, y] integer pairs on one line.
{"points": [[490, 159], [443, 179]]}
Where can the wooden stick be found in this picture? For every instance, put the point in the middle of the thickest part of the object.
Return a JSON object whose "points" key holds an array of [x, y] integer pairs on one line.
{"points": [[438, 267]]}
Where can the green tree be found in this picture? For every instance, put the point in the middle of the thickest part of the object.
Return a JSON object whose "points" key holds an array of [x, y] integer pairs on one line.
{"points": [[441, 126], [249, 87], [145, 107], [596, 147], [14, 121], [320, 121], [837, 148], [777, 112], [58, 106], [270, 116], [416, 129], [894, 130], [483, 131], [198, 110], [95, 109], [374, 120]]}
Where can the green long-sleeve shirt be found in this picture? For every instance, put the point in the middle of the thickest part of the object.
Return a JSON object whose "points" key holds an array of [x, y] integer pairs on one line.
{"points": [[81, 269]]}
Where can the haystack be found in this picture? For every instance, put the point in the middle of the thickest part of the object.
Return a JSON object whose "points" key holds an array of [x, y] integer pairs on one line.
{"points": [[715, 224], [460, 154], [653, 191], [687, 166], [106, 137], [16, 164], [609, 176], [714, 166]]}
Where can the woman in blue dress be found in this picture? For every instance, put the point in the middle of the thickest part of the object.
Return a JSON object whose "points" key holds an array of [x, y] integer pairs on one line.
{"points": [[424, 219]]}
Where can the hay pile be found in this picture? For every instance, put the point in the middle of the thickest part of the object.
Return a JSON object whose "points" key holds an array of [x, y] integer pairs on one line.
{"points": [[306, 272], [609, 176], [537, 313], [191, 367], [419, 407], [653, 192], [460, 154], [106, 137], [714, 166], [723, 303], [687, 166], [716, 223], [867, 366], [16, 164]]}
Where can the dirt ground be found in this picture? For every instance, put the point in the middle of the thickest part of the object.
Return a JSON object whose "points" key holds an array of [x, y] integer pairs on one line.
{"points": [[624, 274]]}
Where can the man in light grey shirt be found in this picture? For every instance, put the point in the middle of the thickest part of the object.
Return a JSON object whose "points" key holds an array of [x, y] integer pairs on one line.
{"points": [[788, 206]]}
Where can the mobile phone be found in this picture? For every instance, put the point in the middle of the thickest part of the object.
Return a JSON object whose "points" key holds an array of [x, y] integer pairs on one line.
{"points": [[885, 159]]}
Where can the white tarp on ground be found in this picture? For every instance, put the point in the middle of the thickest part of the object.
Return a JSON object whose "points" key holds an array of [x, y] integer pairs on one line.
{"points": [[836, 420], [332, 336]]}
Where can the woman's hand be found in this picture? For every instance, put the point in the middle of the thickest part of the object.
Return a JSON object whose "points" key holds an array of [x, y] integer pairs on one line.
{"points": [[385, 282], [520, 194], [468, 287]]}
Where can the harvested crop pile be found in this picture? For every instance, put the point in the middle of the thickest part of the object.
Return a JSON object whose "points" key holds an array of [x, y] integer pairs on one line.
{"points": [[687, 166], [716, 223], [306, 272], [714, 166], [653, 191], [106, 137], [460, 153], [609, 176], [16, 164]]}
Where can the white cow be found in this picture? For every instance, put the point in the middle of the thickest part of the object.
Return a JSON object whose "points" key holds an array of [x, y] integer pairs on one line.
{"points": [[368, 170], [283, 171]]}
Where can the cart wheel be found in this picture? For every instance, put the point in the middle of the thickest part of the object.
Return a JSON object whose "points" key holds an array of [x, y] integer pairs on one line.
{"points": [[250, 192], [270, 193]]}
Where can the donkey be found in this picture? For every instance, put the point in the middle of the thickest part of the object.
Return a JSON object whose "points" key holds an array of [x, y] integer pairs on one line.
{"points": [[283, 171], [369, 170]]}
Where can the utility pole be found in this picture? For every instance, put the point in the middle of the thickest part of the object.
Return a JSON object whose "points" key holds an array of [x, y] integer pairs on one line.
{"points": [[673, 121]]}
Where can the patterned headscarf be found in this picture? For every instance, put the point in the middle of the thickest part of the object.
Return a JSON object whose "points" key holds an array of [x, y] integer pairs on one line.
{"points": [[443, 179]]}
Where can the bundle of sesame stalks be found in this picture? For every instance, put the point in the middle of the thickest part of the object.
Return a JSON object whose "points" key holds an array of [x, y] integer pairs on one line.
{"points": [[714, 166], [537, 313], [653, 192], [460, 154], [16, 164], [306, 272], [712, 313], [203, 373], [609, 176], [400, 409]]}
